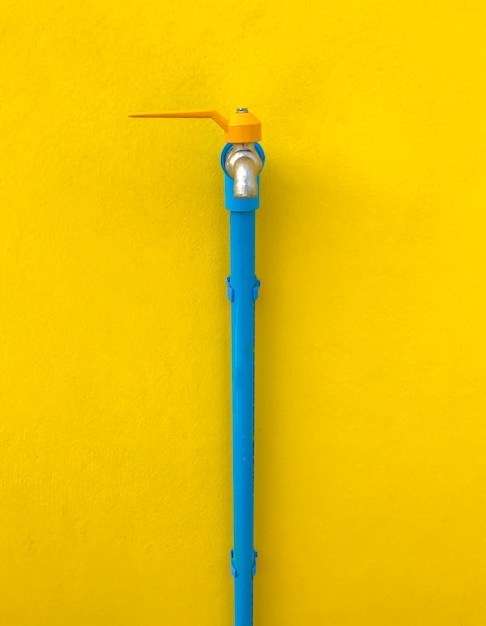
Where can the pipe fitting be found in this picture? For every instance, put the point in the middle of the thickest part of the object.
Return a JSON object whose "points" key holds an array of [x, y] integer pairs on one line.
{"points": [[243, 164]]}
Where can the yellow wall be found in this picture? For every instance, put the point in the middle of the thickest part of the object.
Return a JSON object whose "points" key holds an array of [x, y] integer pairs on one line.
{"points": [[371, 336]]}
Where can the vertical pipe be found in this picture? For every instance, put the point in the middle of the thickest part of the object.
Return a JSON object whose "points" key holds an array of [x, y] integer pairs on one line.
{"points": [[242, 292], [243, 285]]}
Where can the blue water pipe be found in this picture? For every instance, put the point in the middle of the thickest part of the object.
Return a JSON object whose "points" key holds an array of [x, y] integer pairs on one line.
{"points": [[242, 160], [242, 286]]}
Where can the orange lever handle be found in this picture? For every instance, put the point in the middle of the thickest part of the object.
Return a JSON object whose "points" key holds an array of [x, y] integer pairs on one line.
{"points": [[242, 127], [214, 115]]}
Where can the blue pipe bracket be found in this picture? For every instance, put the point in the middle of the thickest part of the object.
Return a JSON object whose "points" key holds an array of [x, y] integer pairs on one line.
{"points": [[242, 290]]}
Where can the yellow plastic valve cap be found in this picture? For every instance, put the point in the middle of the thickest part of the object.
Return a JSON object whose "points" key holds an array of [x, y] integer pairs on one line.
{"points": [[241, 127]]}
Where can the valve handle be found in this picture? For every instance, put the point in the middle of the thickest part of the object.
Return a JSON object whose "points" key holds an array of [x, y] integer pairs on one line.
{"points": [[242, 127], [214, 115]]}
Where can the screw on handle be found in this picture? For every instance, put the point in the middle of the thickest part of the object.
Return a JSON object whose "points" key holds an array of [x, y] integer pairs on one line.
{"points": [[242, 127]]}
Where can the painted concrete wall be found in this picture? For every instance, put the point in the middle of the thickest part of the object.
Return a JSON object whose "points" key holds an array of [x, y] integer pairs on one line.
{"points": [[371, 355]]}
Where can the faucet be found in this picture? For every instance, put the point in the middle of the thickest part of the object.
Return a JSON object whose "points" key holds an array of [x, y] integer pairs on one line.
{"points": [[242, 129], [243, 164]]}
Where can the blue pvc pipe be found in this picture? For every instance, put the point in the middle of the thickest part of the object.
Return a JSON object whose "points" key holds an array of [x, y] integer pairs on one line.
{"points": [[242, 236], [242, 292]]}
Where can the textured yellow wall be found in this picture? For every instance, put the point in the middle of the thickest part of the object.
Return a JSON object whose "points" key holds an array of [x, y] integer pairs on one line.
{"points": [[371, 338]]}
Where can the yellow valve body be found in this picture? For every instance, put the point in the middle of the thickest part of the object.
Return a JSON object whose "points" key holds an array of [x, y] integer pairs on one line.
{"points": [[243, 128]]}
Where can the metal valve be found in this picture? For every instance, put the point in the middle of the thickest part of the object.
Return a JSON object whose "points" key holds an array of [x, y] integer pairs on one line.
{"points": [[242, 129]]}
